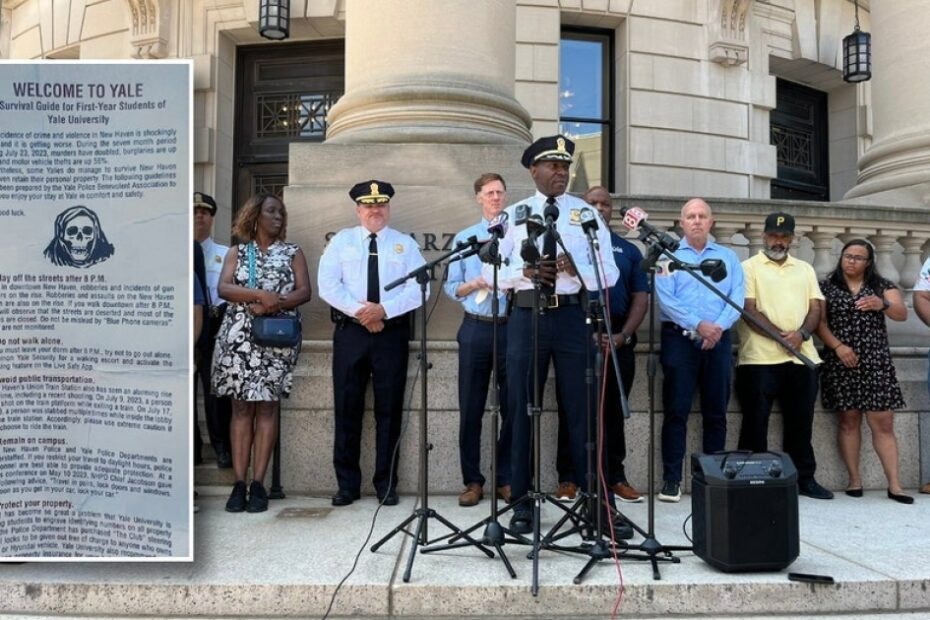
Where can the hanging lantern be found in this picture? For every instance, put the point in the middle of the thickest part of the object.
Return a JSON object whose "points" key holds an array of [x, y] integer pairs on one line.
{"points": [[857, 54], [274, 18]]}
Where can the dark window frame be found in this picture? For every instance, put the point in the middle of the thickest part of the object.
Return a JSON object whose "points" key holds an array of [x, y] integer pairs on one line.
{"points": [[608, 77]]}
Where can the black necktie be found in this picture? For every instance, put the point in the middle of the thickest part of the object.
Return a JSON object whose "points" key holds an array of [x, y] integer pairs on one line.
{"points": [[374, 284], [549, 248]]}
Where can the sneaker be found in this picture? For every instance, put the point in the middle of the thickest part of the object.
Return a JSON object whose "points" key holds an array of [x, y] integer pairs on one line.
{"points": [[626, 493], [237, 500], [810, 488], [566, 491], [258, 498], [671, 491]]}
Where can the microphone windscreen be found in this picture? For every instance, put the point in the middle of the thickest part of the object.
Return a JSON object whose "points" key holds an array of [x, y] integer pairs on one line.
{"points": [[633, 216]]}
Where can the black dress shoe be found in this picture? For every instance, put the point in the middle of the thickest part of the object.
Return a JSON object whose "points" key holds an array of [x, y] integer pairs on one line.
{"points": [[521, 522], [621, 529], [811, 488], [237, 500], [900, 497], [854, 492], [390, 499], [258, 498], [223, 459], [344, 498]]}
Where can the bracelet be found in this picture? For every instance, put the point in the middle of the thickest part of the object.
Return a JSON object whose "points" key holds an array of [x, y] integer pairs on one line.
{"points": [[837, 347]]}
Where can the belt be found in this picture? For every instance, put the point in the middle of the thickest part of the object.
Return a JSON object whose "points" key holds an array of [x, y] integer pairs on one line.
{"points": [[485, 319], [525, 298], [678, 329], [340, 318]]}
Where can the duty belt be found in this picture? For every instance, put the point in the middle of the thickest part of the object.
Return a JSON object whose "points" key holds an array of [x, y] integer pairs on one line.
{"points": [[524, 299], [485, 319]]}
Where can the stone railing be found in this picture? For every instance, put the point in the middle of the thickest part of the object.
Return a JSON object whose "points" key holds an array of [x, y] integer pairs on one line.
{"points": [[901, 237]]}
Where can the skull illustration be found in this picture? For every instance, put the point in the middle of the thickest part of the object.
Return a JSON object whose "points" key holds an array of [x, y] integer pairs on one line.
{"points": [[79, 238]]}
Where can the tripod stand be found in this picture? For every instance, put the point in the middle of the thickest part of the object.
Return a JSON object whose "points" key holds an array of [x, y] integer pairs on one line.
{"points": [[424, 513], [494, 533]]}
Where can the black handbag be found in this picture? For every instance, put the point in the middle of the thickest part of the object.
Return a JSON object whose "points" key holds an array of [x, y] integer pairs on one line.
{"points": [[276, 330], [280, 330]]}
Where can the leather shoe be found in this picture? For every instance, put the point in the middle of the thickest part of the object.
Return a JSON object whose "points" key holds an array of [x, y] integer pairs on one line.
{"points": [[854, 492], [503, 492], [925, 488], [622, 529], [223, 459], [811, 488], [521, 522], [567, 491], [471, 495], [389, 499], [900, 497], [626, 493], [344, 498]]}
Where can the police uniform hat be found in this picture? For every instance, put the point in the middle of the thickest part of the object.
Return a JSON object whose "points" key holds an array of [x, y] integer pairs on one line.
{"points": [[779, 223], [550, 148], [204, 201], [371, 192]]}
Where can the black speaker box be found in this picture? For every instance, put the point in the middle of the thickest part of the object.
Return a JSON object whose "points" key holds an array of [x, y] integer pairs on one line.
{"points": [[744, 509]]}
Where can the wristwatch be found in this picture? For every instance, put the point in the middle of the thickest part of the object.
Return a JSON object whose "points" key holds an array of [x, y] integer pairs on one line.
{"points": [[805, 335], [627, 338], [885, 304]]}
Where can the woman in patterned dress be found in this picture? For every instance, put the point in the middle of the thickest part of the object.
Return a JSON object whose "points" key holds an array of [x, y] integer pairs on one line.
{"points": [[858, 372], [254, 376]]}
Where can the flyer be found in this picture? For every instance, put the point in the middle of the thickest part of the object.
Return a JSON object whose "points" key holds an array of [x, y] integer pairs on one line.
{"points": [[95, 300]]}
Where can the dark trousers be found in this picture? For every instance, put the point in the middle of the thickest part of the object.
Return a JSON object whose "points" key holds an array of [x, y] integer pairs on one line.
{"points": [[794, 386], [563, 339], [476, 356], [357, 356], [685, 367], [614, 433], [217, 411]]}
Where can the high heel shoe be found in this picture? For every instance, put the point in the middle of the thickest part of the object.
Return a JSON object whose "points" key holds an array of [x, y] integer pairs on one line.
{"points": [[854, 492], [904, 499]]}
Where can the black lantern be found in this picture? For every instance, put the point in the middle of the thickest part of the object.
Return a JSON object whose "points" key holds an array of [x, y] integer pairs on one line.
{"points": [[857, 54], [274, 18]]}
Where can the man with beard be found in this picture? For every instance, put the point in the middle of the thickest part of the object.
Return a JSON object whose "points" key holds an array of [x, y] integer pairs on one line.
{"points": [[781, 293]]}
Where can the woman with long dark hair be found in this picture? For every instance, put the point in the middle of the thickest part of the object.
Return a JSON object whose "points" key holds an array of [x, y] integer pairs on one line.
{"points": [[262, 275], [858, 373]]}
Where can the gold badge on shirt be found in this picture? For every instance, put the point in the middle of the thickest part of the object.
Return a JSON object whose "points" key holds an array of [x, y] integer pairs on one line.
{"points": [[217, 259], [574, 217], [398, 248]]}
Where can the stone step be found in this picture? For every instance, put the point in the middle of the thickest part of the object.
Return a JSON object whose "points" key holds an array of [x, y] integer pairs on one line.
{"points": [[307, 427], [287, 562]]}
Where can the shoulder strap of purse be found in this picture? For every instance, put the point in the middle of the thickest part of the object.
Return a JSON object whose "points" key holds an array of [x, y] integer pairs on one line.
{"points": [[250, 252]]}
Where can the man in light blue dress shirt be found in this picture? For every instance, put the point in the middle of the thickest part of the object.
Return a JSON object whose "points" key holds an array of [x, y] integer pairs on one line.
{"points": [[467, 285], [696, 347]]}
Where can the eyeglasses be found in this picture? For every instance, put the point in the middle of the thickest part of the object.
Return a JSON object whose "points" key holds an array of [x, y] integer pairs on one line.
{"points": [[854, 258]]}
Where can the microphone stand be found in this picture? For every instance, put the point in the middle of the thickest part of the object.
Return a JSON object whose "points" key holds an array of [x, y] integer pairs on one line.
{"points": [[424, 513], [494, 532]]}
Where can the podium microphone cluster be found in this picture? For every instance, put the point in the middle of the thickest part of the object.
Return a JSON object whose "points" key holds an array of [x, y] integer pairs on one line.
{"points": [[496, 229]]}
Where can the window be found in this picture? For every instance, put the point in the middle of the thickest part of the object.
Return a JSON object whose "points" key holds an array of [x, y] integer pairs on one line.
{"points": [[586, 105]]}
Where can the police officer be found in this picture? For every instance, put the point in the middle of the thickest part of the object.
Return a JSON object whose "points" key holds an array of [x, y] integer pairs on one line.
{"points": [[466, 285], [563, 336], [372, 334], [217, 411]]}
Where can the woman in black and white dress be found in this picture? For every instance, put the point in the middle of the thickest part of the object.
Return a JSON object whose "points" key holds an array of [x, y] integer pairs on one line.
{"points": [[256, 377]]}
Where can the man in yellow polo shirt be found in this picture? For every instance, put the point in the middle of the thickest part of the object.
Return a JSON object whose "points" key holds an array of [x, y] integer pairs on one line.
{"points": [[782, 293]]}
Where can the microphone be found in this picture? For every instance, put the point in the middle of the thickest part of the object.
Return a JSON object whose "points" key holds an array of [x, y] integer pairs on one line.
{"points": [[635, 218], [589, 224], [715, 268], [471, 242], [534, 227], [521, 213], [497, 229], [498, 226], [551, 213]]}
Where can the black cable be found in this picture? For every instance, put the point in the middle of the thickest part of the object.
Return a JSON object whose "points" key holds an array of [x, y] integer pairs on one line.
{"points": [[684, 527], [394, 453]]}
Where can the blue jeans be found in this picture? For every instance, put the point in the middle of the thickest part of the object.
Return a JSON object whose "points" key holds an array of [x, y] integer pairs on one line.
{"points": [[685, 368]]}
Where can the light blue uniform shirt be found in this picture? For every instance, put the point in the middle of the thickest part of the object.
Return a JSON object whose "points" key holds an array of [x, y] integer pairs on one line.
{"points": [[686, 302], [462, 271], [343, 274]]}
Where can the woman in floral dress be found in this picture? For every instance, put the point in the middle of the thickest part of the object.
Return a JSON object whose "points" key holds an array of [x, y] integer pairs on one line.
{"points": [[858, 373], [256, 377]]}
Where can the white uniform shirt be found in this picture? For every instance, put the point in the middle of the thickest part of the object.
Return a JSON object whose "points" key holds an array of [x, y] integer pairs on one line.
{"points": [[568, 225], [343, 273], [213, 255]]}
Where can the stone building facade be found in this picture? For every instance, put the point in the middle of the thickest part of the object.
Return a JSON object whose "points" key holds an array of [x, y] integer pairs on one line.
{"points": [[738, 101]]}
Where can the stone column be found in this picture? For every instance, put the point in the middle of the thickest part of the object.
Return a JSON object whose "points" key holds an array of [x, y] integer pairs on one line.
{"points": [[893, 170], [427, 71]]}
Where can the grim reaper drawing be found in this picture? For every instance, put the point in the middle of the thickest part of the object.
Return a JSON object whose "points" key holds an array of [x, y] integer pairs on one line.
{"points": [[79, 240]]}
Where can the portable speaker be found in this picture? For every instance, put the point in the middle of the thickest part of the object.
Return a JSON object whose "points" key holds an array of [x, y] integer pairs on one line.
{"points": [[744, 508]]}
